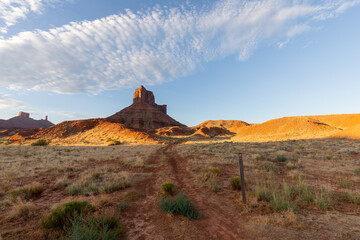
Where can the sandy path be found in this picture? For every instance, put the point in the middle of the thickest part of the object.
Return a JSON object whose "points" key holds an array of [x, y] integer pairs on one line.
{"points": [[146, 221]]}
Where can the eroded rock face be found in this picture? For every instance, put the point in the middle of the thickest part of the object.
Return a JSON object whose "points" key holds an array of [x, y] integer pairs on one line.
{"points": [[141, 95], [144, 113], [24, 121]]}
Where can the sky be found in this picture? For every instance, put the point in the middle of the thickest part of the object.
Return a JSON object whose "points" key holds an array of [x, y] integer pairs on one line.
{"points": [[221, 59]]}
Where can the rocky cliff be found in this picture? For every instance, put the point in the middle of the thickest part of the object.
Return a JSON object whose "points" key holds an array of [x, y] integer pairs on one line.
{"points": [[144, 113], [23, 121]]}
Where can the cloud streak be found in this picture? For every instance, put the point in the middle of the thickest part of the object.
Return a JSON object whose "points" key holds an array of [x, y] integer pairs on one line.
{"points": [[11, 11], [152, 46], [8, 103]]}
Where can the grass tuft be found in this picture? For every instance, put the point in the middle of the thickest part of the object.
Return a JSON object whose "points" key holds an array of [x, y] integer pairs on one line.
{"points": [[235, 183], [181, 205], [169, 188], [63, 214], [100, 227]]}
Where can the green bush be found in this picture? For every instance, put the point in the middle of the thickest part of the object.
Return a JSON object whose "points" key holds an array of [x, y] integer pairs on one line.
{"points": [[357, 171], [181, 205], [114, 143], [169, 188], [101, 227], [280, 159], [63, 214], [40, 142], [235, 183]]}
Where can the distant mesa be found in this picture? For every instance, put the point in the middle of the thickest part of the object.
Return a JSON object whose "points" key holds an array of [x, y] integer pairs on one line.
{"points": [[23, 121], [144, 113]]}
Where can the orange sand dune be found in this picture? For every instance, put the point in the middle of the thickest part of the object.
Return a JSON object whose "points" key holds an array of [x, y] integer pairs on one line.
{"points": [[303, 127]]}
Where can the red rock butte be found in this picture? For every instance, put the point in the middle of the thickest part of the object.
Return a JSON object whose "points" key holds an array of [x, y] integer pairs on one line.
{"points": [[144, 113]]}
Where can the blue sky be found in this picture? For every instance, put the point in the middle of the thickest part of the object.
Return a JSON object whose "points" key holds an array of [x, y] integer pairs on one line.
{"points": [[230, 59]]}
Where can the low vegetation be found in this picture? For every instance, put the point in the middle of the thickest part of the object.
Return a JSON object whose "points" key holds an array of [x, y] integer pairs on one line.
{"points": [[41, 142], [105, 180], [169, 188], [63, 214], [283, 197], [235, 183], [100, 227], [181, 205]]}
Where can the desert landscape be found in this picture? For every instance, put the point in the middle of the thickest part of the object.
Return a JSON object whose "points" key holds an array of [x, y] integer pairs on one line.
{"points": [[147, 176], [179, 120]]}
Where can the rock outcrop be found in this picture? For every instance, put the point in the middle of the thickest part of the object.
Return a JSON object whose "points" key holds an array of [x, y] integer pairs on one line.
{"points": [[23, 121], [144, 113], [141, 95]]}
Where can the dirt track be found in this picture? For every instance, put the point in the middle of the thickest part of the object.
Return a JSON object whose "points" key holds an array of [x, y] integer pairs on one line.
{"points": [[219, 219]]}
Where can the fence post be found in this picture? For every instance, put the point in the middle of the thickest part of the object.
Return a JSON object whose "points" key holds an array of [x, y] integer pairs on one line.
{"points": [[242, 177]]}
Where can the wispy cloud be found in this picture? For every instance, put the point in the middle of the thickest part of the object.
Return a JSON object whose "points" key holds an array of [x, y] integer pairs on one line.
{"points": [[152, 46], [11, 11], [69, 114], [8, 103]]}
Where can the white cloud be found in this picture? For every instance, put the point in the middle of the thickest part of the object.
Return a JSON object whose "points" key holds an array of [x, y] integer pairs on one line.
{"points": [[11, 11], [8, 103], [152, 46], [69, 114]]}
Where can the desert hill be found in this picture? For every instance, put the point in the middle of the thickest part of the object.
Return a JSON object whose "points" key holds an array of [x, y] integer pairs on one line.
{"points": [[92, 131], [210, 128], [144, 113], [302, 127], [23, 121]]}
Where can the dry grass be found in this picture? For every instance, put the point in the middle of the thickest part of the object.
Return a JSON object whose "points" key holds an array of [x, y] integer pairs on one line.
{"points": [[21, 208]]}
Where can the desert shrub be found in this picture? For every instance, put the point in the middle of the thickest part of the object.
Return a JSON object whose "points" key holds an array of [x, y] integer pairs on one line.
{"points": [[181, 205], [21, 208], [110, 188], [215, 171], [305, 192], [62, 183], [114, 143], [323, 198], [83, 189], [345, 184], [215, 187], [169, 188], [63, 214], [100, 227], [33, 191], [353, 198], [93, 183], [280, 203], [269, 167], [280, 159], [123, 206], [235, 183], [6, 143], [357, 171], [40, 142], [263, 191], [209, 178]]}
